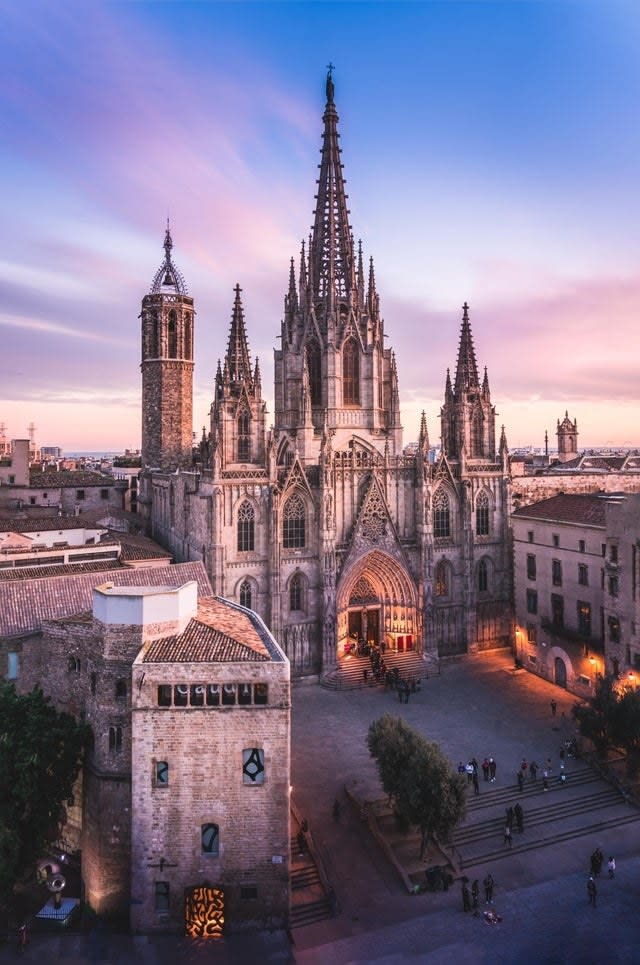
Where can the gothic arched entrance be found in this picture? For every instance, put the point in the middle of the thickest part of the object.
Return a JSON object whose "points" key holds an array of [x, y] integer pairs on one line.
{"points": [[376, 602]]}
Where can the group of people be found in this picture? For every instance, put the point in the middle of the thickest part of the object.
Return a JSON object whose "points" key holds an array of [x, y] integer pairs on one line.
{"points": [[514, 815], [471, 897], [471, 769]]}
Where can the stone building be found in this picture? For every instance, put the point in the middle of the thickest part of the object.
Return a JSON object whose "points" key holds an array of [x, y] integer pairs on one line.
{"points": [[163, 673], [324, 524], [621, 622]]}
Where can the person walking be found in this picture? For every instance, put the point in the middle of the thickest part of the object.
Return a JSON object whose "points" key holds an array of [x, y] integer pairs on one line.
{"points": [[598, 859], [519, 815], [533, 771], [611, 866], [469, 772], [475, 896], [592, 891], [492, 770], [510, 813], [466, 898], [488, 885], [520, 776], [545, 780], [476, 786], [507, 836], [485, 769]]}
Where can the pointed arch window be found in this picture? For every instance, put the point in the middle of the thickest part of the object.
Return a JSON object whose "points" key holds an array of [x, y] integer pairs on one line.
{"points": [[173, 334], [441, 516], [314, 370], [483, 576], [293, 523], [154, 347], [442, 579], [188, 337], [295, 592], [350, 373], [482, 515], [245, 594], [244, 436], [477, 434], [246, 528]]}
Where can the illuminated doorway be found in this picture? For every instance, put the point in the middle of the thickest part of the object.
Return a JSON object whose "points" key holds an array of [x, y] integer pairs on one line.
{"points": [[204, 912]]}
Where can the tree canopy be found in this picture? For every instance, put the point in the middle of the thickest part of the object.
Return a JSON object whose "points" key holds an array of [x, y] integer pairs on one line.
{"points": [[40, 758], [612, 718], [427, 792]]}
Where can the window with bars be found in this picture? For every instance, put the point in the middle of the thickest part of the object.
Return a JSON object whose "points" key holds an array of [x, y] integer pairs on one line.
{"points": [[482, 515], [293, 523], [246, 527], [441, 515], [350, 373], [442, 579], [244, 436], [245, 594]]}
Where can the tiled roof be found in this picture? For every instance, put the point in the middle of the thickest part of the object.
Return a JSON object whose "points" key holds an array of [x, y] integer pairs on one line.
{"points": [[585, 508], [49, 572], [45, 523], [26, 603], [69, 477], [219, 633], [140, 548]]}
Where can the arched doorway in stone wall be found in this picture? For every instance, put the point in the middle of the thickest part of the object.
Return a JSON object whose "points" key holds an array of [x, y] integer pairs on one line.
{"points": [[376, 602], [560, 672]]}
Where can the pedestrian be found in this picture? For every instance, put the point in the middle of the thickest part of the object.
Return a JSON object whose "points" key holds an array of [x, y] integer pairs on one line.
{"points": [[488, 884], [533, 771], [554, 707], [475, 894], [519, 814], [460, 767], [507, 836], [492, 770], [611, 866], [466, 898], [592, 891], [593, 863], [520, 780], [510, 813], [545, 780], [485, 769], [599, 858], [476, 786], [469, 772], [523, 766]]}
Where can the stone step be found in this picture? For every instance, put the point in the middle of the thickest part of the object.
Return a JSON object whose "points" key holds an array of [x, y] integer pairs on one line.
{"points": [[305, 878], [499, 853], [492, 796], [348, 675], [309, 913]]}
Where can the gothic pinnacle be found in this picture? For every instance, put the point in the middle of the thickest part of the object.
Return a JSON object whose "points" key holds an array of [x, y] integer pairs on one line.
{"points": [[466, 369]]}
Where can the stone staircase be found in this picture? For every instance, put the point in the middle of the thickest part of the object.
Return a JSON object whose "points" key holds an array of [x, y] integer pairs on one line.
{"points": [[309, 899], [349, 674], [566, 811]]}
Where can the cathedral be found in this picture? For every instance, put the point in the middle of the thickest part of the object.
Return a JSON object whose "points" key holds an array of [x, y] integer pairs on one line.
{"points": [[324, 523]]}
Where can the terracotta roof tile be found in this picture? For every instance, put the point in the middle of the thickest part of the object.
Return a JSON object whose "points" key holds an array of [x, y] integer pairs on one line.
{"points": [[219, 632], [49, 572], [24, 604], [585, 508]]}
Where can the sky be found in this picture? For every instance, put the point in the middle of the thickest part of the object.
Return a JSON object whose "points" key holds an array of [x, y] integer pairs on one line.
{"points": [[491, 152]]}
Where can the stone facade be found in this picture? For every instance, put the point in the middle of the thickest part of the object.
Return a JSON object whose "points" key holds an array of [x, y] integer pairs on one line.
{"points": [[325, 525], [621, 617]]}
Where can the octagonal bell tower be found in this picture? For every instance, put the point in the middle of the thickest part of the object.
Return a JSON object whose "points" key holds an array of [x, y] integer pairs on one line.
{"points": [[167, 369]]}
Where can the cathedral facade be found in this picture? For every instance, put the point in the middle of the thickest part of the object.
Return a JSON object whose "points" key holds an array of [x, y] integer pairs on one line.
{"points": [[324, 523]]}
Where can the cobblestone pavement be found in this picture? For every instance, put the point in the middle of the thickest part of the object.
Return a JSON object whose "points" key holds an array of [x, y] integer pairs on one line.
{"points": [[477, 706]]}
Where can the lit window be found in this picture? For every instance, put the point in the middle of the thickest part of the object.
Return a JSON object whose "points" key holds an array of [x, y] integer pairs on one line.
{"points": [[614, 630], [584, 618], [253, 765], [532, 633], [210, 839], [293, 523]]}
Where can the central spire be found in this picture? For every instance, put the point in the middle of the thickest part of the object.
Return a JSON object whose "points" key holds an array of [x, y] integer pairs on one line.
{"points": [[467, 369], [331, 253], [238, 361]]}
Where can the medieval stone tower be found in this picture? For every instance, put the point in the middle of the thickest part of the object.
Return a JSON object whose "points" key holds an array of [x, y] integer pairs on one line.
{"points": [[325, 525], [567, 433], [167, 368]]}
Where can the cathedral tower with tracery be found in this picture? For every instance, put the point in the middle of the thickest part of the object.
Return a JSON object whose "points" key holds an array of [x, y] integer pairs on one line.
{"points": [[324, 524]]}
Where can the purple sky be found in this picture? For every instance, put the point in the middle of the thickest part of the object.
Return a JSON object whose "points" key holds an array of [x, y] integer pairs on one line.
{"points": [[491, 152]]}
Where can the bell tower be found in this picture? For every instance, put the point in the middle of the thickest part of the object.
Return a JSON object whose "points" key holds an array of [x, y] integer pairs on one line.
{"points": [[167, 368], [567, 433]]}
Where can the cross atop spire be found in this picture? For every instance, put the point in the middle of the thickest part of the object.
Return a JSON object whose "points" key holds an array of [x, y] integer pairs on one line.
{"points": [[466, 369], [331, 251], [167, 276], [238, 362]]}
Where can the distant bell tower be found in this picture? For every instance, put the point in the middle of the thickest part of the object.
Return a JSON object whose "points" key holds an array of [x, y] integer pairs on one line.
{"points": [[167, 369], [567, 432]]}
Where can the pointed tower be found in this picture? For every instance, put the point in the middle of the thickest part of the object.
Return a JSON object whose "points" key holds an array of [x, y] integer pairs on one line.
{"points": [[567, 432], [468, 418], [167, 368], [332, 355], [238, 411]]}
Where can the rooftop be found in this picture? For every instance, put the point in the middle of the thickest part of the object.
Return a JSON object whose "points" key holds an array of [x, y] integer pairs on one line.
{"points": [[585, 508]]}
